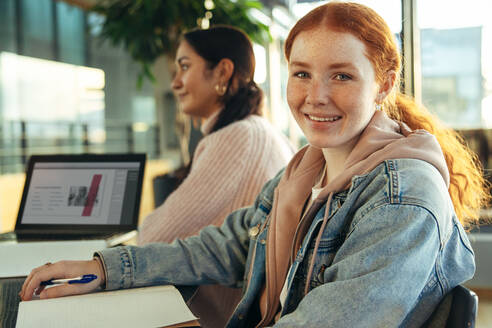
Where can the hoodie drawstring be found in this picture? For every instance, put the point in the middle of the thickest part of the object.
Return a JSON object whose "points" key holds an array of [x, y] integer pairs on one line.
{"points": [[318, 240]]}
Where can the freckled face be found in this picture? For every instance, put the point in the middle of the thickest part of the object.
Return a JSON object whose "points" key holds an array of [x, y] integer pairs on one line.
{"points": [[194, 83], [331, 88]]}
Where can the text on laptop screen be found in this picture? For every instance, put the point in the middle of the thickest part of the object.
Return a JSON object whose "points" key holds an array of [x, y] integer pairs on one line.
{"points": [[82, 193]]}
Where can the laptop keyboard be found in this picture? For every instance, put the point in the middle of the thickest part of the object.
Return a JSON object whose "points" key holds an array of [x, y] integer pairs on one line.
{"points": [[9, 300]]}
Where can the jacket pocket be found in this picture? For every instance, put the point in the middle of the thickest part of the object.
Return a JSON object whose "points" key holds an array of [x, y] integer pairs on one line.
{"points": [[323, 259]]}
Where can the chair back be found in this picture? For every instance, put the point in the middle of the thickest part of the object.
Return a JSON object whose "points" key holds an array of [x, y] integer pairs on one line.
{"points": [[463, 312], [458, 309]]}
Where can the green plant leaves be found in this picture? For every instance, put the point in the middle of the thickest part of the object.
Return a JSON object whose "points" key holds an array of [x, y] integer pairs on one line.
{"points": [[148, 29]]}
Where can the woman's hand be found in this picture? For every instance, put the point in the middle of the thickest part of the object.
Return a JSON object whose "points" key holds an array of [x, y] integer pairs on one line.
{"points": [[62, 270]]}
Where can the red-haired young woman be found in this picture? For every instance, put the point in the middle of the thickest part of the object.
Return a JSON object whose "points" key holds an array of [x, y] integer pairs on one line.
{"points": [[364, 228]]}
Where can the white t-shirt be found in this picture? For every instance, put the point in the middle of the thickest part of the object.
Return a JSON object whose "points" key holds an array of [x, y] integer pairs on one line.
{"points": [[315, 191]]}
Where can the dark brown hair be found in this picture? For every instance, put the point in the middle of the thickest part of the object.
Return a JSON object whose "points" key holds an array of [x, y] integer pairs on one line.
{"points": [[243, 97]]}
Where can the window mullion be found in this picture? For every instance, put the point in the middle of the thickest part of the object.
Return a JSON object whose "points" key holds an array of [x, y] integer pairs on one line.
{"points": [[412, 77]]}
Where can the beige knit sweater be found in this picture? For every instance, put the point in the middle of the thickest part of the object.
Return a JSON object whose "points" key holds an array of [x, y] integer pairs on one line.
{"points": [[229, 168]]}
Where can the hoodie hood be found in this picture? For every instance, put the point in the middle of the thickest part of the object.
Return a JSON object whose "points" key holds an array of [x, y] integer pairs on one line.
{"points": [[382, 139]]}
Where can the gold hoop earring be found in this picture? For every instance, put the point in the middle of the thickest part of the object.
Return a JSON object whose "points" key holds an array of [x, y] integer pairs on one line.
{"points": [[220, 89]]}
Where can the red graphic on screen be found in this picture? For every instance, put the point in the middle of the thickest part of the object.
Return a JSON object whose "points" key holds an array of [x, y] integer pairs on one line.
{"points": [[91, 197]]}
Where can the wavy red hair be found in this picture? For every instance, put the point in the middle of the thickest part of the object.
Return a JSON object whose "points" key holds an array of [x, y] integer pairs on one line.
{"points": [[468, 189]]}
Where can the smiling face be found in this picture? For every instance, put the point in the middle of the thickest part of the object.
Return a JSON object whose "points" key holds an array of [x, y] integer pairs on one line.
{"points": [[331, 88], [194, 83]]}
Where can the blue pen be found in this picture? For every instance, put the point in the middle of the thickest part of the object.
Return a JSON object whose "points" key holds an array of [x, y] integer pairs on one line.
{"points": [[77, 280]]}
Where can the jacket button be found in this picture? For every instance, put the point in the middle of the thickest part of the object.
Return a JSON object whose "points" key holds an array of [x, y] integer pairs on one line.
{"points": [[240, 316], [253, 232]]}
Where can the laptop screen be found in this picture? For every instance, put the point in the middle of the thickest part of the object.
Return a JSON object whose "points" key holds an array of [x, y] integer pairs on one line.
{"points": [[82, 190]]}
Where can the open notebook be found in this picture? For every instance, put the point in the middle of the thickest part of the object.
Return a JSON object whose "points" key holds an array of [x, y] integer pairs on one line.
{"points": [[159, 306], [73, 197]]}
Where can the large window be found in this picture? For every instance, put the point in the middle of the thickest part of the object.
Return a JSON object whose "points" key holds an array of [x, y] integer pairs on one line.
{"points": [[37, 35], [63, 90], [48, 107], [7, 25], [456, 60], [70, 34]]}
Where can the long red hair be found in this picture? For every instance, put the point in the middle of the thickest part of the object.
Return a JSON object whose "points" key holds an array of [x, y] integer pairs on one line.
{"points": [[468, 189]]}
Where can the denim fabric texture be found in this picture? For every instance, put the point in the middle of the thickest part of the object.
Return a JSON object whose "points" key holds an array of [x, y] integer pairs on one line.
{"points": [[392, 248]]}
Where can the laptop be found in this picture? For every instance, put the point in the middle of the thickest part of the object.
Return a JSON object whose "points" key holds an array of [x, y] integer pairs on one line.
{"points": [[74, 197]]}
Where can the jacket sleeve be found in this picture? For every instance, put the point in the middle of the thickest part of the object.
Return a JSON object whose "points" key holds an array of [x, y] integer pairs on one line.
{"points": [[377, 274], [216, 256]]}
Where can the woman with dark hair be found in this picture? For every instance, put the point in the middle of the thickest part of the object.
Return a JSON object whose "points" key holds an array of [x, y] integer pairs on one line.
{"points": [[240, 151], [214, 83], [364, 228], [239, 96]]}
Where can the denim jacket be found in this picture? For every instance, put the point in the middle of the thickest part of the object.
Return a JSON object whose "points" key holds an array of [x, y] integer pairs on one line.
{"points": [[393, 247]]}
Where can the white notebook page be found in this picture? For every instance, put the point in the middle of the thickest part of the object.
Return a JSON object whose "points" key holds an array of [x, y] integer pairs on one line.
{"points": [[157, 306]]}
